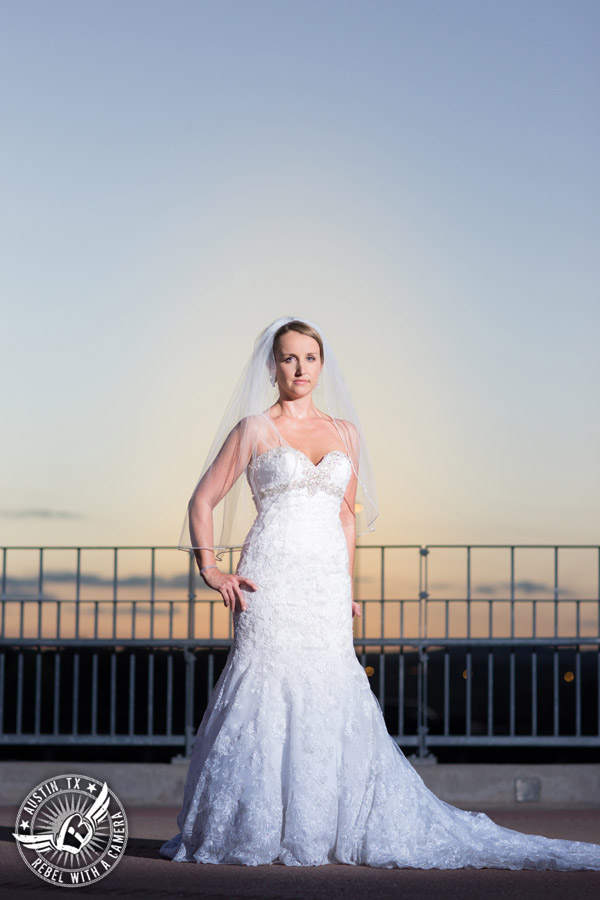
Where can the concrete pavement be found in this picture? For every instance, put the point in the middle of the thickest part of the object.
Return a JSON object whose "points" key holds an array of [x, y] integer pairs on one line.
{"points": [[142, 873]]}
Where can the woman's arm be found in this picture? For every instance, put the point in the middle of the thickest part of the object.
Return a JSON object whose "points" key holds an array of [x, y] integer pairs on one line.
{"points": [[347, 511], [219, 478], [349, 526]]}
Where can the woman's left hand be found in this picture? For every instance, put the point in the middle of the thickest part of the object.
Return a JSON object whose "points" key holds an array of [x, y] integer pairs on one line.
{"points": [[356, 609]]}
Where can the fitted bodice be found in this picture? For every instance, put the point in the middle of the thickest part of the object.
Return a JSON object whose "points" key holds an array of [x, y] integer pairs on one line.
{"points": [[297, 539], [285, 469]]}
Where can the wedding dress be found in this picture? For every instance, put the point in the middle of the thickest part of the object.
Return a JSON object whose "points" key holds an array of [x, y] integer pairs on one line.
{"points": [[292, 762]]}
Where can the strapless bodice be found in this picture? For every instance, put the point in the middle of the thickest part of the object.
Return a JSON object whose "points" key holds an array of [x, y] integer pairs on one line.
{"points": [[298, 530], [285, 469]]}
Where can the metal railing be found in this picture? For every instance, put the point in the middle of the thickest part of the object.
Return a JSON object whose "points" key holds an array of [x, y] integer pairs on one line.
{"points": [[104, 655]]}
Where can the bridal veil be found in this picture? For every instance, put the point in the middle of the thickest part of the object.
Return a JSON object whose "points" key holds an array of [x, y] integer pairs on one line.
{"points": [[246, 431]]}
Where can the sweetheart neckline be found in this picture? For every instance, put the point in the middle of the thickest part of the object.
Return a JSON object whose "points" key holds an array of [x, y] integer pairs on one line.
{"points": [[287, 446], [301, 452]]}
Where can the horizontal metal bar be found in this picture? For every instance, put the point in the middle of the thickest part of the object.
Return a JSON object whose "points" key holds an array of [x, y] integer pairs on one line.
{"points": [[439, 740], [104, 740], [507, 740], [358, 642], [361, 547], [148, 600]]}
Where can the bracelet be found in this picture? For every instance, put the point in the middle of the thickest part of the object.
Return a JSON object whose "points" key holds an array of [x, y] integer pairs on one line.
{"points": [[213, 566]]}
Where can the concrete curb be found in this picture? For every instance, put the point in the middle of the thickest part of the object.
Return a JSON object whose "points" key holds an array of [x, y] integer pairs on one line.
{"points": [[466, 785]]}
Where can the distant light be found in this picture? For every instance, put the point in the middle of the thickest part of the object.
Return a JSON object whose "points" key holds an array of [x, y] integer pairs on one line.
{"points": [[465, 673], [369, 670], [568, 676]]}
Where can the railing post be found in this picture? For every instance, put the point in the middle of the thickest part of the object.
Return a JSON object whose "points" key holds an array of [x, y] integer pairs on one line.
{"points": [[424, 753], [189, 730], [191, 626]]}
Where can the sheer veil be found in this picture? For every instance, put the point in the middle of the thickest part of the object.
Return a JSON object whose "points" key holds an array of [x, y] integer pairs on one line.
{"points": [[226, 482]]}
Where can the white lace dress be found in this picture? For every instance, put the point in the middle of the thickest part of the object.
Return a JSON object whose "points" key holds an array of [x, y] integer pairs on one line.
{"points": [[292, 761]]}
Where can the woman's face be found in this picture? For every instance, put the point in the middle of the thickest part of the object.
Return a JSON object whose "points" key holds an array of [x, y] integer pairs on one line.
{"points": [[298, 363]]}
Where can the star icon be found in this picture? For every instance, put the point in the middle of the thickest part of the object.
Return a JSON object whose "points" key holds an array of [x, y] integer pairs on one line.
{"points": [[24, 824], [92, 787]]}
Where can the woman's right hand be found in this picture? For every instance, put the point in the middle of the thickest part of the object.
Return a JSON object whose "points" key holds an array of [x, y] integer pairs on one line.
{"points": [[229, 586]]}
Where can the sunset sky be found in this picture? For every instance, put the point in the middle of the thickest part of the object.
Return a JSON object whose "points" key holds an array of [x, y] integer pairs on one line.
{"points": [[419, 178]]}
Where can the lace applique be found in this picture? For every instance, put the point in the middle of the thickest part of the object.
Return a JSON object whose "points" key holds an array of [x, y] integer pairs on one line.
{"points": [[313, 478], [312, 482]]}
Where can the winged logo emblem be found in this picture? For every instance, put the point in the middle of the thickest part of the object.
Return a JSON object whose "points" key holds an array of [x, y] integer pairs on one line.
{"points": [[76, 831]]}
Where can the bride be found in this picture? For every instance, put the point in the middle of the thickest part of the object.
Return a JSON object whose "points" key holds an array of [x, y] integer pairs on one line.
{"points": [[292, 762]]}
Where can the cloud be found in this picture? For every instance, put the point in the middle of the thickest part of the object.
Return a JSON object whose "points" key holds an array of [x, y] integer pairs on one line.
{"points": [[500, 589], [68, 575], [20, 591], [40, 514], [525, 586]]}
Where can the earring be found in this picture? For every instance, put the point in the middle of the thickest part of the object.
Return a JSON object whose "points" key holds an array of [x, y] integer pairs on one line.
{"points": [[273, 379]]}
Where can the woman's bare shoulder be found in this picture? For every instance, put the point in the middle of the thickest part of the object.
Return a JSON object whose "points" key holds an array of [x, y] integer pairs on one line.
{"points": [[350, 434], [350, 427], [253, 425]]}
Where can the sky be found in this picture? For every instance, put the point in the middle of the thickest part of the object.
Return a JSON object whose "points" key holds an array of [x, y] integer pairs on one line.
{"points": [[419, 178]]}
